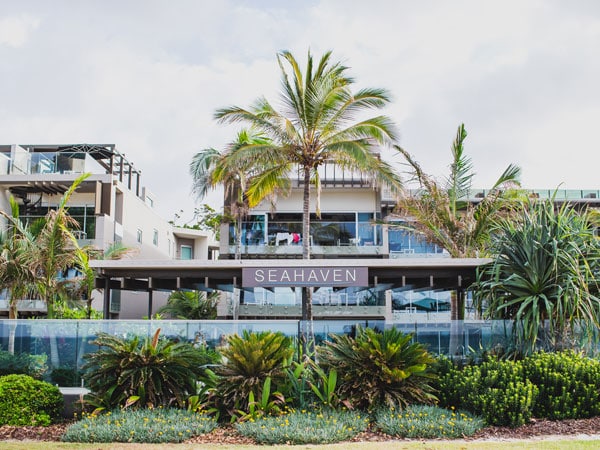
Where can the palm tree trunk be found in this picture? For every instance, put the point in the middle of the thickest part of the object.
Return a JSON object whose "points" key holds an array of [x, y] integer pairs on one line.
{"points": [[238, 238], [12, 314], [307, 335], [457, 318]]}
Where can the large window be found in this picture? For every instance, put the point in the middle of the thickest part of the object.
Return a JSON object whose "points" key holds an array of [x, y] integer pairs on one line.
{"points": [[185, 252]]}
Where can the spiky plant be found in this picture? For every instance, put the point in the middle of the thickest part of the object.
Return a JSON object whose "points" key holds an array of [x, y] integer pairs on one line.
{"points": [[379, 368], [150, 372], [249, 360]]}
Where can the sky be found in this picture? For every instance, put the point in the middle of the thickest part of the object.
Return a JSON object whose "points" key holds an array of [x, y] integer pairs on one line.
{"points": [[148, 75]]}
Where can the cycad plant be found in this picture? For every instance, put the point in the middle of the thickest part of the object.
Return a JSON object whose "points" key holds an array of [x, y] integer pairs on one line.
{"points": [[149, 372], [248, 360], [379, 368]]}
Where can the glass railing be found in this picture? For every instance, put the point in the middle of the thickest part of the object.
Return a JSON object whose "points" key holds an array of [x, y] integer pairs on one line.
{"points": [[63, 344], [48, 163]]}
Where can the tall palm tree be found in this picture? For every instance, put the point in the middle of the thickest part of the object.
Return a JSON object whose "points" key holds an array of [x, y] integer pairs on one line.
{"points": [[442, 213], [315, 124], [210, 168]]}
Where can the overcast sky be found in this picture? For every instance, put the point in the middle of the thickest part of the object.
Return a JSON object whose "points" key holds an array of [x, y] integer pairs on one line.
{"points": [[524, 77]]}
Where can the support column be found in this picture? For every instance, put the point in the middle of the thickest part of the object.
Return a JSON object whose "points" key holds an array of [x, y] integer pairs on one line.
{"points": [[106, 305], [150, 291]]}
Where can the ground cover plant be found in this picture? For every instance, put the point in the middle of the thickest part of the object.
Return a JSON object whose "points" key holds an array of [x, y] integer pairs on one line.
{"points": [[158, 425], [305, 427], [26, 401], [427, 422]]}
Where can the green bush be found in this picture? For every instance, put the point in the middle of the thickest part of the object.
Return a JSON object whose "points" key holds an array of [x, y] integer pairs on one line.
{"points": [[141, 425], [64, 376], [379, 368], [248, 361], [305, 427], [26, 401], [495, 390], [152, 372], [569, 385], [23, 363], [427, 422]]}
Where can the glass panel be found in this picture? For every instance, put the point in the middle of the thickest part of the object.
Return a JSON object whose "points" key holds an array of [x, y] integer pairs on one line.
{"points": [[186, 252]]}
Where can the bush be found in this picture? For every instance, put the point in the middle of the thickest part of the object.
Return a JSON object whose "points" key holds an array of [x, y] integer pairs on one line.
{"points": [[141, 425], [427, 422], [154, 372], [496, 390], [65, 376], [376, 369], [248, 361], [569, 385], [23, 363], [26, 401], [305, 427]]}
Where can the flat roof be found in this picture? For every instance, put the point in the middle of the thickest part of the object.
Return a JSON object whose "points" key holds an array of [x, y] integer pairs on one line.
{"points": [[142, 275]]}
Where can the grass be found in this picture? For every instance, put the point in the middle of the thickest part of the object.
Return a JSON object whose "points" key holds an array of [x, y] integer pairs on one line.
{"points": [[565, 444]]}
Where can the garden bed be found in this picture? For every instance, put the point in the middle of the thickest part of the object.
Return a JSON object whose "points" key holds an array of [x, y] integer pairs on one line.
{"points": [[227, 435]]}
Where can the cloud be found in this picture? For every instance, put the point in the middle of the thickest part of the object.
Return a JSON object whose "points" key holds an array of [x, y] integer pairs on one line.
{"points": [[148, 76], [15, 30]]}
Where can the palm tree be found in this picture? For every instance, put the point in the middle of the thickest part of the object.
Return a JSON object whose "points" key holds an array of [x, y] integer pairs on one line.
{"points": [[191, 305], [316, 124], [15, 276], [211, 167], [442, 213], [545, 271], [54, 250]]}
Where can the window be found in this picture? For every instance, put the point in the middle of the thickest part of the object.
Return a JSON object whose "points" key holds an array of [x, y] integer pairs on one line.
{"points": [[186, 252], [155, 237], [139, 236]]}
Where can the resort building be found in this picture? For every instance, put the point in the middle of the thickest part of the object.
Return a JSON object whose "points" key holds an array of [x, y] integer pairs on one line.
{"points": [[111, 205]]}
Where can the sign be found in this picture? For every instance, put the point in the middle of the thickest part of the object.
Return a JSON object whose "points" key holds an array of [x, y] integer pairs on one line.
{"points": [[305, 276]]}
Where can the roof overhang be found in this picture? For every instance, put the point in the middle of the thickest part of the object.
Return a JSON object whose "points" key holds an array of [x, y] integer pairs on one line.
{"points": [[142, 275]]}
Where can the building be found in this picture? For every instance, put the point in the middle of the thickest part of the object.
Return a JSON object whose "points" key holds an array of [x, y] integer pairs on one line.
{"points": [[111, 205]]}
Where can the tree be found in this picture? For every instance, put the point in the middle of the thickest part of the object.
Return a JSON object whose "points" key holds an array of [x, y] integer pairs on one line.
{"points": [[54, 250], [443, 215], [15, 276], [191, 305], [211, 167], [316, 124], [544, 276]]}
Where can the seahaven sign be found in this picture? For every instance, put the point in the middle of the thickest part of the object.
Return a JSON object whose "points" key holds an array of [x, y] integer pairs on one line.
{"points": [[305, 276]]}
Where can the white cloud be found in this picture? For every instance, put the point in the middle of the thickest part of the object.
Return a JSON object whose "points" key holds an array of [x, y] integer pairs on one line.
{"points": [[15, 31], [148, 76]]}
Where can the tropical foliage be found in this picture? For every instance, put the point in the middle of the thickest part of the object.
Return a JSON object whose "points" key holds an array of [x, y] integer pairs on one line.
{"points": [[379, 368], [442, 211], [249, 360], [191, 305], [544, 277], [211, 167], [315, 124], [148, 372]]}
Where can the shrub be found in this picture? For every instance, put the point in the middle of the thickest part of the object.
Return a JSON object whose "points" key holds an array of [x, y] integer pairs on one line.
{"points": [[152, 371], [305, 427], [376, 369], [427, 422], [23, 363], [64, 376], [568, 383], [26, 401], [141, 425], [496, 390], [248, 361]]}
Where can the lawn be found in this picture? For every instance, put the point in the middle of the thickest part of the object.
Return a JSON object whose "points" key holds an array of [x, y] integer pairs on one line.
{"points": [[398, 445]]}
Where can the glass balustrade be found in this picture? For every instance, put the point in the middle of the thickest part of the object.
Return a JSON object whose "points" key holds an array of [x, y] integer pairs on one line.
{"points": [[62, 344]]}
